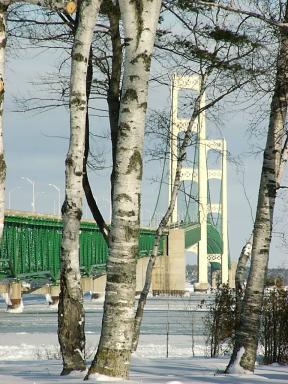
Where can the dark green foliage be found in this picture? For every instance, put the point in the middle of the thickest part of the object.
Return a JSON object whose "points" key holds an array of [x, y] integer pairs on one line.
{"points": [[220, 324], [188, 5], [228, 36], [220, 321], [274, 329]]}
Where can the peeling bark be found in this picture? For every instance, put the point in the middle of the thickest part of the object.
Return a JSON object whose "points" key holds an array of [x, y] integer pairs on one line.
{"points": [[114, 350], [247, 334], [239, 277], [71, 316], [3, 39], [113, 96]]}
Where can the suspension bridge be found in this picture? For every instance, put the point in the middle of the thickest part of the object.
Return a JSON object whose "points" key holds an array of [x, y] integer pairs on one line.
{"points": [[203, 214], [31, 245]]}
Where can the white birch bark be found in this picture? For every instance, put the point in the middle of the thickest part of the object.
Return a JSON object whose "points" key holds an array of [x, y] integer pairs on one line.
{"points": [[71, 317], [247, 333], [3, 39], [140, 18]]}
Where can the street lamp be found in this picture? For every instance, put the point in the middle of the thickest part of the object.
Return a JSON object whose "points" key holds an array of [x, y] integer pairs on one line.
{"points": [[33, 191], [9, 196], [59, 197]]}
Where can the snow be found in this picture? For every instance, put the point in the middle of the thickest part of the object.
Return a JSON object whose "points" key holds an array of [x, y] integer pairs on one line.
{"points": [[29, 352], [236, 367], [102, 378]]}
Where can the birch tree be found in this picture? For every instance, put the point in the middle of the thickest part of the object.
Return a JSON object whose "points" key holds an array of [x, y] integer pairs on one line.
{"points": [[71, 318], [3, 39], [114, 351], [68, 6], [246, 340]]}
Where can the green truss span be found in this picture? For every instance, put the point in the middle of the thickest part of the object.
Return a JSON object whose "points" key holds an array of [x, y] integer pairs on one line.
{"points": [[214, 240], [193, 235], [31, 247]]}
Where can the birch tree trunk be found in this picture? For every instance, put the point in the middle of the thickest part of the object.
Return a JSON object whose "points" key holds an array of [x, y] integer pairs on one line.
{"points": [[114, 351], [245, 348], [113, 96], [240, 277], [71, 316], [3, 39]]}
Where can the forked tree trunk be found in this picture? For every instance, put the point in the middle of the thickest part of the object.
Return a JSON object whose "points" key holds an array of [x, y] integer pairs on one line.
{"points": [[71, 317], [114, 351], [246, 341], [3, 38]]}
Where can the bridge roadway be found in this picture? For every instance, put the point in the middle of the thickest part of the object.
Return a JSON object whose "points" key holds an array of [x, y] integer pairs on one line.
{"points": [[31, 245]]}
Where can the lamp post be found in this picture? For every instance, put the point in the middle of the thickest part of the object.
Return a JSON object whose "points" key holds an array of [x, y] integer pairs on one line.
{"points": [[59, 197], [33, 192], [9, 196]]}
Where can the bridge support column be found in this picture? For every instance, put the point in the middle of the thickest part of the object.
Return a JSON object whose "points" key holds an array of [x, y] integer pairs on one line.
{"points": [[215, 278], [3, 289], [141, 268], [232, 273], [202, 284], [98, 287], [225, 254], [160, 280], [54, 293], [15, 303], [176, 261]]}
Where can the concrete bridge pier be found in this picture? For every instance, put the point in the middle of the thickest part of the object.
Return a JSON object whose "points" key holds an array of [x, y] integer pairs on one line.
{"points": [[94, 285], [169, 271], [14, 297], [53, 296]]}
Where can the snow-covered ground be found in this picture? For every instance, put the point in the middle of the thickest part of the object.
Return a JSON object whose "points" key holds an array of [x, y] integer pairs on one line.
{"points": [[29, 350]]}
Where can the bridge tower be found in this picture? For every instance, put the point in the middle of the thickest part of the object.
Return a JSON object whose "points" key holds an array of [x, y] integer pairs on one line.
{"points": [[201, 175]]}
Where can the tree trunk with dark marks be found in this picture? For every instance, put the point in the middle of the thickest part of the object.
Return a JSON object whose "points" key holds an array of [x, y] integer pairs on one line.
{"points": [[113, 96], [3, 39], [71, 317], [113, 356], [246, 341], [240, 277]]}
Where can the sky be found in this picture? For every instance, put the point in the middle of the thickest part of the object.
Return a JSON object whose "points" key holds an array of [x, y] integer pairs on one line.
{"points": [[36, 145]]}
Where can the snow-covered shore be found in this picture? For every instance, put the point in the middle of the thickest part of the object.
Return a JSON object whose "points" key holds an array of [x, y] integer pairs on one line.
{"points": [[29, 352]]}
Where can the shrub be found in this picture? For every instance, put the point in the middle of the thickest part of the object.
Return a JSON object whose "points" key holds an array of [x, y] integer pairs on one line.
{"points": [[220, 321], [274, 326]]}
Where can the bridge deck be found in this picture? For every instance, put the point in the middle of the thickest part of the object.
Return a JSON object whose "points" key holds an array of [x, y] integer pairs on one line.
{"points": [[31, 247]]}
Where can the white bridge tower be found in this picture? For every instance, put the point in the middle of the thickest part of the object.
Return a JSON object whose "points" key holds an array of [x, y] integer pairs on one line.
{"points": [[201, 176]]}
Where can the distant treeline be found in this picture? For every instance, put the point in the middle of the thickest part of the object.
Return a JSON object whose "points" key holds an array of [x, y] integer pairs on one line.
{"points": [[275, 276]]}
